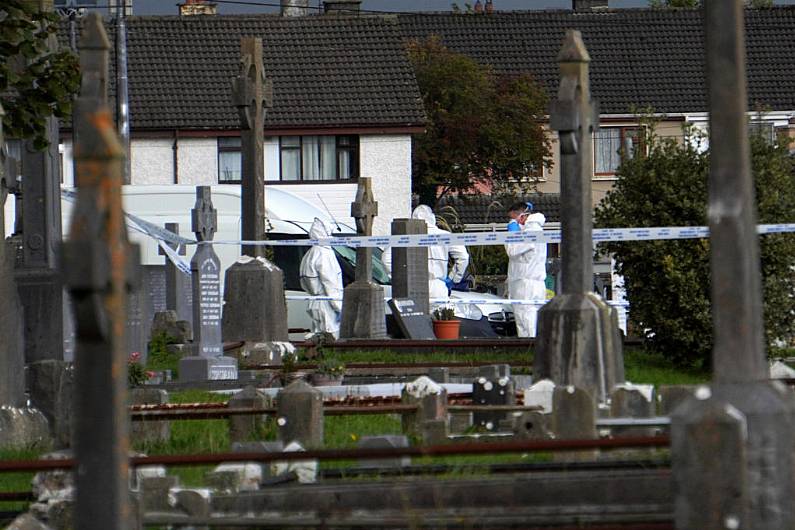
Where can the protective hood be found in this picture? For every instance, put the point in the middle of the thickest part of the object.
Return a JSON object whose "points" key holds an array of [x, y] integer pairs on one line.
{"points": [[536, 219], [318, 229], [425, 213]]}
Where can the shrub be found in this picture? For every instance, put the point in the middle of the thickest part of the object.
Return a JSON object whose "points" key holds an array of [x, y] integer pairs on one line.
{"points": [[667, 282]]}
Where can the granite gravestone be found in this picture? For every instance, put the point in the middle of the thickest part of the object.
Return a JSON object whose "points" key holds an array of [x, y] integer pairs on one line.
{"points": [[410, 266], [578, 341], [363, 315], [177, 283], [412, 322], [731, 444], [207, 361], [255, 309]]}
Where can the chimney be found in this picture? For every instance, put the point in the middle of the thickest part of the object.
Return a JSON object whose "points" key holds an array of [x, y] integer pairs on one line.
{"points": [[342, 7], [589, 5], [294, 8], [478, 7], [489, 7], [197, 7]]}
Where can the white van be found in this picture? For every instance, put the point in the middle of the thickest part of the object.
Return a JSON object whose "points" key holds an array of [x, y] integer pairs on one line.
{"points": [[288, 217]]}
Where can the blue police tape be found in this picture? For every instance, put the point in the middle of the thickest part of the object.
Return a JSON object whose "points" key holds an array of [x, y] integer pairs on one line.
{"points": [[452, 301]]}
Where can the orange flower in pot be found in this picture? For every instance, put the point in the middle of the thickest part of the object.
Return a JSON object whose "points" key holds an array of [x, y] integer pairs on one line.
{"points": [[445, 324]]}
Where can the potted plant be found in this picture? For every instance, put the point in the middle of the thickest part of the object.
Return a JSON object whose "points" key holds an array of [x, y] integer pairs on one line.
{"points": [[329, 371], [445, 324], [290, 372]]}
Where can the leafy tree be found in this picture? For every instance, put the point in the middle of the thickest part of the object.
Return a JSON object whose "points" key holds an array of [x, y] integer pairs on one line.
{"points": [[689, 4], [667, 282], [35, 82], [482, 127]]}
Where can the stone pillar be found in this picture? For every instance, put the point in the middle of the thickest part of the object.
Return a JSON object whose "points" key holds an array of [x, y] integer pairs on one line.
{"points": [[177, 282], [410, 265], [731, 445], [207, 361], [363, 315], [253, 282], [299, 415], [493, 386], [12, 347], [99, 267], [578, 341], [246, 428]]}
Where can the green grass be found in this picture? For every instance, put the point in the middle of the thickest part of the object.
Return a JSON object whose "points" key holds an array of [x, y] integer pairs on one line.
{"points": [[17, 481], [388, 356], [642, 367]]}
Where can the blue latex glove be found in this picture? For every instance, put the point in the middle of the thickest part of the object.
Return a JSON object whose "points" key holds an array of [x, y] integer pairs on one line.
{"points": [[449, 283], [514, 226]]}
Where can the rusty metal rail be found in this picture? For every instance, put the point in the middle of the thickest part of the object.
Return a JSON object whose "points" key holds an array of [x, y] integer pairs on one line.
{"points": [[356, 454], [418, 365], [399, 344]]}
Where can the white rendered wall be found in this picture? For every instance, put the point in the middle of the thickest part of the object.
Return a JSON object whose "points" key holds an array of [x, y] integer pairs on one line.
{"points": [[387, 160], [197, 161], [152, 161]]}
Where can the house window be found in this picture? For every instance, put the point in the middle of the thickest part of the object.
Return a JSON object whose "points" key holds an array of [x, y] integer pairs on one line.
{"points": [[614, 144], [765, 129], [230, 160], [307, 158]]}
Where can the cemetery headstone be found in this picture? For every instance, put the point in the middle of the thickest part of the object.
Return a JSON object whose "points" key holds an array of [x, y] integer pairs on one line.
{"points": [[578, 341], [253, 282], [99, 267], [493, 386], [731, 445], [363, 315], [138, 320], [300, 415], [413, 322], [149, 431], [177, 282], [410, 265], [207, 361], [51, 387], [388, 441], [243, 428]]}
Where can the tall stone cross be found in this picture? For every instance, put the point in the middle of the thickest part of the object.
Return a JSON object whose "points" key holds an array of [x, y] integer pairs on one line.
{"points": [[252, 93], [363, 300], [578, 341], [40, 288], [207, 360], [731, 445], [99, 268]]}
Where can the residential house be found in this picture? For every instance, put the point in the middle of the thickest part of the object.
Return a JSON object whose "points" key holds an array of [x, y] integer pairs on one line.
{"points": [[641, 59], [345, 103]]}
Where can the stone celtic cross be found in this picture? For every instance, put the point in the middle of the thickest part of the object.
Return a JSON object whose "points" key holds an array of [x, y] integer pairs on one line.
{"points": [[364, 209], [251, 94], [204, 217]]}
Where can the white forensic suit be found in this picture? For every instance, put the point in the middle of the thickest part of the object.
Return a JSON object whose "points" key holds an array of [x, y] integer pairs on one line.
{"points": [[439, 255], [321, 276], [526, 274]]}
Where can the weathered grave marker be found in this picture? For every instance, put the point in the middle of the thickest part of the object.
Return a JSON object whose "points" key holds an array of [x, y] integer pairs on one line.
{"points": [[207, 361], [363, 313], [253, 282], [177, 282], [410, 266], [578, 341], [731, 445], [413, 322], [99, 267]]}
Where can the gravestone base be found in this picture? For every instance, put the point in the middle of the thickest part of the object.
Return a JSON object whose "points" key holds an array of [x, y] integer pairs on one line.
{"points": [[579, 343], [197, 368], [256, 353], [363, 315], [254, 305], [22, 427], [732, 457], [51, 386], [41, 295]]}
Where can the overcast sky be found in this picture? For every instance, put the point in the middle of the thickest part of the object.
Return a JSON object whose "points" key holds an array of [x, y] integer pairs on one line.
{"points": [[168, 7]]}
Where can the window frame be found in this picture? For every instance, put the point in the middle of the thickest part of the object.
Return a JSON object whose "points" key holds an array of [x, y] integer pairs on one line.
{"points": [[353, 150], [229, 149], [623, 130]]}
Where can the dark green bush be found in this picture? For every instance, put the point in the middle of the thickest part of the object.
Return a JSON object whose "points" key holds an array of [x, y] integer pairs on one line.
{"points": [[667, 282]]}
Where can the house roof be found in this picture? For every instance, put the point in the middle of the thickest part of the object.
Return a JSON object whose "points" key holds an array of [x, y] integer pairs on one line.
{"points": [[465, 210], [327, 71], [639, 57]]}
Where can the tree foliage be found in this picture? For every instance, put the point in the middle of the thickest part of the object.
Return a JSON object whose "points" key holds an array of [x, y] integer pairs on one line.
{"points": [[690, 4], [481, 126], [35, 82], [667, 282]]}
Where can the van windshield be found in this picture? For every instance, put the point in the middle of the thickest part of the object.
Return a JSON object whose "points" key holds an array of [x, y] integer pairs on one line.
{"points": [[380, 274]]}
